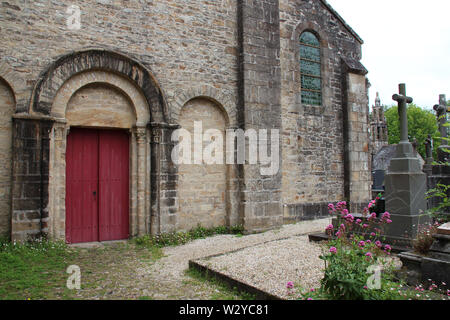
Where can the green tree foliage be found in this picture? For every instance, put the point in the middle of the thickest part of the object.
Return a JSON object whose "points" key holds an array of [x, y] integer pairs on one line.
{"points": [[421, 123]]}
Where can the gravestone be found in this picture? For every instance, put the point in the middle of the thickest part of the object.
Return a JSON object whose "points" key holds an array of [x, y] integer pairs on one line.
{"points": [[434, 266], [440, 172], [429, 150], [405, 184], [441, 113]]}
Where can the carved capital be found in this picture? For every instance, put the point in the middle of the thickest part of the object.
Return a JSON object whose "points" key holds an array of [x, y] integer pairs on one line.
{"points": [[141, 134], [61, 130], [156, 135]]}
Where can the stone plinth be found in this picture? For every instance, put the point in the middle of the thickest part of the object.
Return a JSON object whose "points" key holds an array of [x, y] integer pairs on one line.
{"points": [[406, 186]]}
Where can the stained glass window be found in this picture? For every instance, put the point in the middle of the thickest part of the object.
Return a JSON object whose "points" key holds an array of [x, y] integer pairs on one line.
{"points": [[310, 69]]}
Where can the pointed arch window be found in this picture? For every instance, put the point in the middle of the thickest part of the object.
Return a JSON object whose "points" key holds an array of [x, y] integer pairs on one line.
{"points": [[310, 69]]}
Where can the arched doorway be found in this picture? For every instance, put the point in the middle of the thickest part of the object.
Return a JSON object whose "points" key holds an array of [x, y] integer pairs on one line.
{"points": [[97, 164], [51, 116]]}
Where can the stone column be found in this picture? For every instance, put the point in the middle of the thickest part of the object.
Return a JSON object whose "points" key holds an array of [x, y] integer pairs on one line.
{"points": [[405, 185], [164, 179], [141, 140], [57, 181]]}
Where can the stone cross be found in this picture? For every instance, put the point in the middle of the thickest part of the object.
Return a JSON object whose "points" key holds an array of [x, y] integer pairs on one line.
{"points": [[441, 112], [402, 100], [404, 148]]}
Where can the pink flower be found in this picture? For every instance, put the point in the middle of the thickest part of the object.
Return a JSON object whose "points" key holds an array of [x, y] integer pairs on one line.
{"points": [[378, 244], [330, 227], [369, 254], [365, 226], [290, 285], [361, 244], [333, 250], [373, 234], [387, 248], [358, 221], [349, 218]]}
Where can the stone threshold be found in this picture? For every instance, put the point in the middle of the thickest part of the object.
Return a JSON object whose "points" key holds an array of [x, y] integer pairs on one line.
{"points": [[97, 244]]}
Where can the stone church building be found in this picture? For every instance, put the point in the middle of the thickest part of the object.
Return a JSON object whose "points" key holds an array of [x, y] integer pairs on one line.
{"points": [[91, 92]]}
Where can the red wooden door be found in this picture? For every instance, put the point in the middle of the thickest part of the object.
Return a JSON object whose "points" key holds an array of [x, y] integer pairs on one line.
{"points": [[82, 186], [97, 177], [113, 185]]}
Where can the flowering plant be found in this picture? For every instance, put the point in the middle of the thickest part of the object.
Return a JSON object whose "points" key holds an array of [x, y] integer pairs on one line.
{"points": [[424, 240], [355, 245]]}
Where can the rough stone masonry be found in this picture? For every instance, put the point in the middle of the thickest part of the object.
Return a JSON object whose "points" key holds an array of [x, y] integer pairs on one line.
{"points": [[151, 67]]}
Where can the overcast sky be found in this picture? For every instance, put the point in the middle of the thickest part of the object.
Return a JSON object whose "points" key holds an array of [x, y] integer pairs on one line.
{"points": [[405, 41]]}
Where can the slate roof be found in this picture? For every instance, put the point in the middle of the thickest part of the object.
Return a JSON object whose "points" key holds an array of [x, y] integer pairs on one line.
{"points": [[382, 159]]}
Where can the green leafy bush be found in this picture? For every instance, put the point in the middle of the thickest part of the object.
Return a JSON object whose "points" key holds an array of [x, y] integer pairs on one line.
{"points": [[180, 238]]}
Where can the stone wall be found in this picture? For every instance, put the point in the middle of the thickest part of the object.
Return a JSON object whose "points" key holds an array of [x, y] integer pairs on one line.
{"points": [[313, 136], [30, 178], [201, 48], [259, 106]]}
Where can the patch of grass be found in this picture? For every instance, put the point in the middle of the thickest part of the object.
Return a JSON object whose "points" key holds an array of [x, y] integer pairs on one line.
{"points": [[180, 238], [223, 290], [33, 270], [37, 270]]}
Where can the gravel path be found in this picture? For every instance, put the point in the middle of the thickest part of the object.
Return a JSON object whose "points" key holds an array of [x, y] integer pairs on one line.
{"points": [[268, 260], [272, 265]]}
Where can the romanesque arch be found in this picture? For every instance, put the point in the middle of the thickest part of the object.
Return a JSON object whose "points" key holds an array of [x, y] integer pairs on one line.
{"points": [[218, 97], [75, 63]]}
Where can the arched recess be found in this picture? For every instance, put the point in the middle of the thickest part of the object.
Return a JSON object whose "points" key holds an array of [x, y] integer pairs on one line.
{"points": [[207, 193], [105, 100], [7, 109]]}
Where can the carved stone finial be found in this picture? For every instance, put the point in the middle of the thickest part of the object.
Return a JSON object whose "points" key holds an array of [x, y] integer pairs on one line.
{"points": [[378, 100]]}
